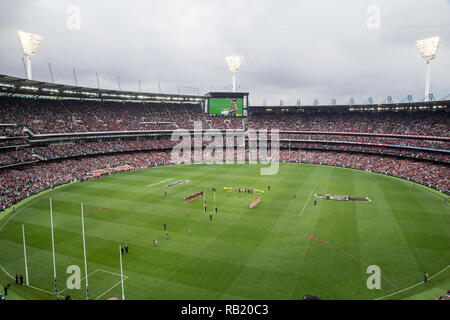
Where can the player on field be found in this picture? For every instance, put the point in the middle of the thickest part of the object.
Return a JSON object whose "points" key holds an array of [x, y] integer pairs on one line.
{"points": [[167, 234], [126, 249], [121, 249], [165, 226], [155, 242], [210, 216], [189, 232], [315, 201]]}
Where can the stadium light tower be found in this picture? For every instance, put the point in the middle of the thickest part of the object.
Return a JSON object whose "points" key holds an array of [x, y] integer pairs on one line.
{"points": [[427, 49], [30, 44], [234, 63]]}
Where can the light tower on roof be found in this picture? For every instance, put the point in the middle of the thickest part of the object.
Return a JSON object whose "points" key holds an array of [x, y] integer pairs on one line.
{"points": [[427, 49], [30, 44], [234, 63]]}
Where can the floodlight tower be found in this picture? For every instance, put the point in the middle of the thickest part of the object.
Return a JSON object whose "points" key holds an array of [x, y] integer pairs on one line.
{"points": [[427, 49], [234, 63], [30, 44]]}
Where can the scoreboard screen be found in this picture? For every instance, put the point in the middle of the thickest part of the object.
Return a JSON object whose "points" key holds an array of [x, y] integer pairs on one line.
{"points": [[228, 107]]}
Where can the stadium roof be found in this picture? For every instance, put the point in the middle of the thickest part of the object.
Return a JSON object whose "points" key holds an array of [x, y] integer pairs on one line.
{"points": [[18, 86], [13, 86]]}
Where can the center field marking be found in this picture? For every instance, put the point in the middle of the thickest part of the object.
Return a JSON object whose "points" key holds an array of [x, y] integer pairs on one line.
{"points": [[159, 182], [308, 199]]}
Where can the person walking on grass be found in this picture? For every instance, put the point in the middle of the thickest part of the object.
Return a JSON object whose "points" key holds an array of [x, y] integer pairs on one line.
{"points": [[167, 234], [121, 249], [210, 216], [425, 277], [21, 280], [126, 249], [165, 226], [155, 243]]}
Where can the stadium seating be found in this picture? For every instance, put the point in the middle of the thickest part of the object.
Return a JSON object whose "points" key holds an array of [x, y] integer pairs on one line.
{"points": [[410, 145]]}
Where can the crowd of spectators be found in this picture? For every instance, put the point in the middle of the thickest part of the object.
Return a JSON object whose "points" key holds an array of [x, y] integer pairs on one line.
{"points": [[9, 156], [15, 156], [43, 116], [427, 173], [10, 131], [403, 152], [324, 138], [57, 116], [18, 184], [423, 123], [421, 143], [56, 151]]}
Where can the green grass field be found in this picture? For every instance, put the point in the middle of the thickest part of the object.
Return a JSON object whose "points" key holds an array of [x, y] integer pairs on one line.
{"points": [[269, 252]]}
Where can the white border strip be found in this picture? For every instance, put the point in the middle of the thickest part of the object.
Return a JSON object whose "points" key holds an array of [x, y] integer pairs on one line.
{"points": [[415, 285], [32, 287], [308, 199]]}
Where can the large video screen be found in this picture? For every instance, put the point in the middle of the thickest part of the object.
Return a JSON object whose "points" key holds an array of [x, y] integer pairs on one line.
{"points": [[231, 107]]}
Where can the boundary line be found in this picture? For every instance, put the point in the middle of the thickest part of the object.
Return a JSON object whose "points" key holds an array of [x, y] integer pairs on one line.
{"points": [[29, 286], [415, 285], [9, 219], [125, 277]]}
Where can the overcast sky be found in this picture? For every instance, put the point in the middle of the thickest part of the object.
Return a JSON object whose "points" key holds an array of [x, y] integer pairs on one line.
{"points": [[292, 49]]}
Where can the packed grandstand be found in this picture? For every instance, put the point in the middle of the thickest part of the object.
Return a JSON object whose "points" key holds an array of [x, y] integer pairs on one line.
{"points": [[48, 141]]}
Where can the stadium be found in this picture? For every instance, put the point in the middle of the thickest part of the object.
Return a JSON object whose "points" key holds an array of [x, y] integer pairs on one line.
{"points": [[127, 194]]}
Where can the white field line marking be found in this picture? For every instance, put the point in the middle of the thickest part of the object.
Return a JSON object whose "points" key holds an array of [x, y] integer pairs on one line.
{"points": [[308, 199], [113, 273], [18, 210], [9, 219], [7, 273], [159, 182], [32, 287], [81, 279], [124, 278], [415, 285]]}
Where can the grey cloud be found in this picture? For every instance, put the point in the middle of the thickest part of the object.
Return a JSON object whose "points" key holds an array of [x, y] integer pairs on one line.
{"points": [[292, 49]]}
